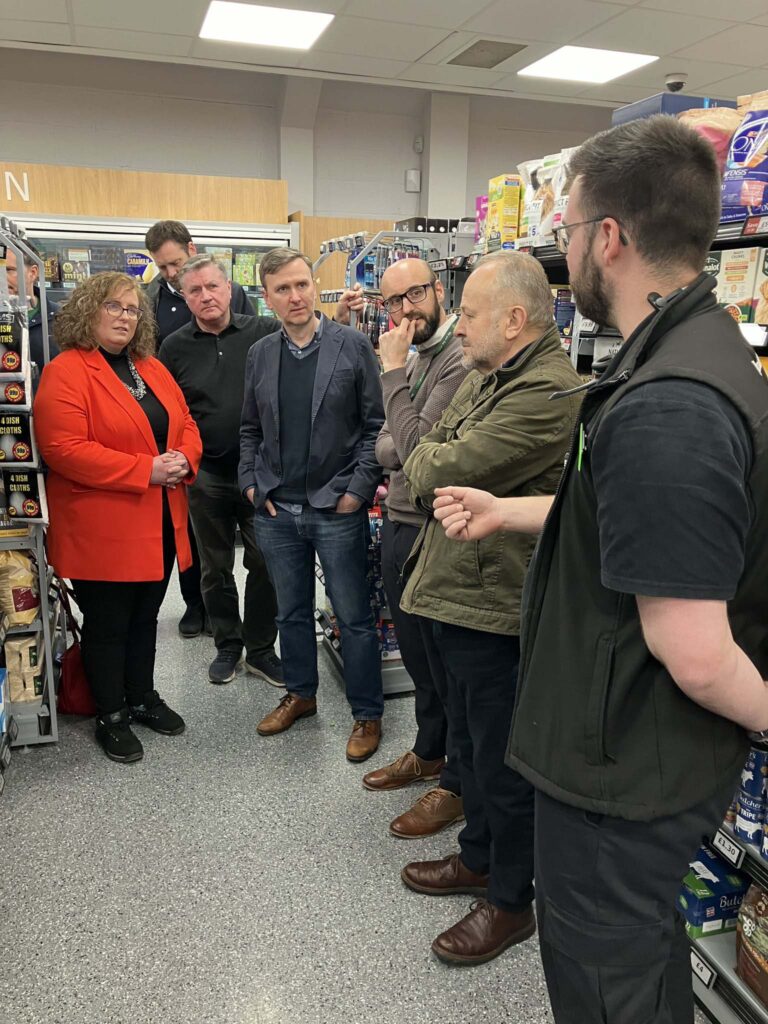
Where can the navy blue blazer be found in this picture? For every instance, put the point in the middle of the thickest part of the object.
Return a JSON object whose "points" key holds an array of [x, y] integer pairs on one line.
{"points": [[347, 415]]}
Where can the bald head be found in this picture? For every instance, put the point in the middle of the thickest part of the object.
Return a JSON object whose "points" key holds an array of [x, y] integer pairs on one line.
{"points": [[424, 304]]}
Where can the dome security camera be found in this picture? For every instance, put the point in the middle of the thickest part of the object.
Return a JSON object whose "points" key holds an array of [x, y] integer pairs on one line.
{"points": [[675, 81]]}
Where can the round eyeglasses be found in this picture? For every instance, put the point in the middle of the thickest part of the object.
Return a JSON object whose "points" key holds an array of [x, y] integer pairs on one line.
{"points": [[116, 309]]}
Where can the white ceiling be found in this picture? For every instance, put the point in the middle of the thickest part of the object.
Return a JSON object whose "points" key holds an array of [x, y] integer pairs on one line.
{"points": [[723, 48]]}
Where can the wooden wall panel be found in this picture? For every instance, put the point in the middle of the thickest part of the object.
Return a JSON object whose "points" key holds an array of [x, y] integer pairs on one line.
{"points": [[99, 192]]}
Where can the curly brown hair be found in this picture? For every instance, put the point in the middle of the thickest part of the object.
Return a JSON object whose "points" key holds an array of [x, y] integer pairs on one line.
{"points": [[73, 324]]}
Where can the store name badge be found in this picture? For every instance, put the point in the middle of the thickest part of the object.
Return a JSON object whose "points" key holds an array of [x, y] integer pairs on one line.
{"points": [[727, 849], [702, 970]]}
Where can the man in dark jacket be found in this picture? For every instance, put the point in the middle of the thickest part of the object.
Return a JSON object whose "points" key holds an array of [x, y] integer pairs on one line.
{"points": [[34, 313], [313, 409], [500, 431], [170, 245], [645, 632], [207, 357]]}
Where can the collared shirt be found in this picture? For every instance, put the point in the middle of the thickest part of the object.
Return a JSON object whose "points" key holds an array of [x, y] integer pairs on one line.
{"points": [[302, 353]]}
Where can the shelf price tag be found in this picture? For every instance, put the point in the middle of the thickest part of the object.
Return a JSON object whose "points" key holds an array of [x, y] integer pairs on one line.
{"points": [[702, 970], [755, 226], [728, 849], [438, 265]]}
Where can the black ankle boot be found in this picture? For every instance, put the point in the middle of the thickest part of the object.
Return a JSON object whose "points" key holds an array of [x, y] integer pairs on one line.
{"points": [[192, 622], [155, 713], [114, 734]]}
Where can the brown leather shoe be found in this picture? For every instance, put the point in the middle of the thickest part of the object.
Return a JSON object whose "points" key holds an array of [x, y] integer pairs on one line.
{"points": [[431, 813], [443, 877], [286, 713], [485, 932], [402, 772], [364, 741]]}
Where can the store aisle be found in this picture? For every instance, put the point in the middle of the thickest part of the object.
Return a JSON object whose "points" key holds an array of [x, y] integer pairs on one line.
{"points": [[229, 879]]}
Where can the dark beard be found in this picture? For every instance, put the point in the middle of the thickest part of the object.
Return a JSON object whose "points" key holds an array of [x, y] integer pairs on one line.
{"points": [[427, 326], [590, 295]]}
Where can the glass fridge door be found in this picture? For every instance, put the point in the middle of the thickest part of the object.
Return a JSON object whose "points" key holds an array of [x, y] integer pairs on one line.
{"points": [[76, 247]]}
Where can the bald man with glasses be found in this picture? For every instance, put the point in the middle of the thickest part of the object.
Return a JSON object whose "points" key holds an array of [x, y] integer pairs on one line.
{"points": [[417, 385]]}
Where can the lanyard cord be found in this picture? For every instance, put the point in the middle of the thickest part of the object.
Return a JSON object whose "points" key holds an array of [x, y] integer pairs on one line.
{"points": [[440, 348]]}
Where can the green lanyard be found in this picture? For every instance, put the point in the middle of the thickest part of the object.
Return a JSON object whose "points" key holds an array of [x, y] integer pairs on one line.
{"points": [[440, 348]]}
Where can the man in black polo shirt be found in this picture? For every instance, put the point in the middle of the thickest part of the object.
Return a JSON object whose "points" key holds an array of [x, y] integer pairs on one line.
{"points": [[208, 357], [170, 245]]}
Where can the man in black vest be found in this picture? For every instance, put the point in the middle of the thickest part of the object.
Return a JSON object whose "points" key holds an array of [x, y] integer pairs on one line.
{"points": [[170, 245], [645, 632]]}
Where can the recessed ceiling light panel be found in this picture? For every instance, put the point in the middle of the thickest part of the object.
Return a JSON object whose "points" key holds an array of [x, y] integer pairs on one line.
{"points": [[583, 64], [263, 26]]}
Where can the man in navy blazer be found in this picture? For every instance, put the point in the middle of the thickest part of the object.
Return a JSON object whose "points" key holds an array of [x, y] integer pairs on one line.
{"points": [[312, 412]]}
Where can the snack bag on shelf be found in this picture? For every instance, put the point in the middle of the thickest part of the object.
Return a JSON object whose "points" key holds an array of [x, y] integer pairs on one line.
{"points": [[752, 942], [19, 596], [715, 124], [745, 180], [736, 272], [561, 185], [24, 663]]}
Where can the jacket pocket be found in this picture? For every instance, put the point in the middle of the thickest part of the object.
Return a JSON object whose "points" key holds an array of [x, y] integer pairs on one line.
{"points": [[597, 703]]}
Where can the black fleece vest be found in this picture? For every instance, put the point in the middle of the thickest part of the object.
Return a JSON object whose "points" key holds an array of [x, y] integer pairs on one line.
{"points": [[599, 722]]}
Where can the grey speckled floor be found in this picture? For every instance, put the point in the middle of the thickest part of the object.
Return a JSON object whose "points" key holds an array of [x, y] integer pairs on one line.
{"points": [[228, 879]]}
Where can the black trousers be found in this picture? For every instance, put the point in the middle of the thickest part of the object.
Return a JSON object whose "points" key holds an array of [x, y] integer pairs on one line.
{"points": [[217, 508], [189, 580], [481, 670], [120, 631], [420, 657], [613, 945]]}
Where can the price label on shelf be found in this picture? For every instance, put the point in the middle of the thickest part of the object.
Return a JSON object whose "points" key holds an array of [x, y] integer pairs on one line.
{"points": [[438, 265], [755, 226], [702, 970], [728, 849]]}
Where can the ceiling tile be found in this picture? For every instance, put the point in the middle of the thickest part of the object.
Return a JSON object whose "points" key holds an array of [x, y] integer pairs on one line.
{"points": [[615, 92], [373, 67], [325, 6], [173, 17], [237, 53], [699, 73], [744, 10], [40, 10], [531, 53], [438, 13], [448, 47], [763, 20], [754, 80], [441, 74], [642, 31], [133, 42], [749, 44], [538, 86], [368, 38], [543, 20], [35, 31]]}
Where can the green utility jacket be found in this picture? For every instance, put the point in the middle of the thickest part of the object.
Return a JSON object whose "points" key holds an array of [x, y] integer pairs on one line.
{"points": [[500, 433]]}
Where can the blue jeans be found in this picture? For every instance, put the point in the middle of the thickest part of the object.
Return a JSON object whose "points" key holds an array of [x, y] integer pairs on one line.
{"points": [[289, 543]]}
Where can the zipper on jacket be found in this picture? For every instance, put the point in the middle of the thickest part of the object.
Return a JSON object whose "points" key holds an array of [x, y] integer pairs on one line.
{"points": [[593, 385]]}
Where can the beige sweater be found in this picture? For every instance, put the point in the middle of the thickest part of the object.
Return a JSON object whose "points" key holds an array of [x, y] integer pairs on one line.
{"points": [[408, 420]]}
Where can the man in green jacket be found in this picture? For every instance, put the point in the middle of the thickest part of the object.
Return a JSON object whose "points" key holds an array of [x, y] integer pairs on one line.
{"points": [[501, 432]]}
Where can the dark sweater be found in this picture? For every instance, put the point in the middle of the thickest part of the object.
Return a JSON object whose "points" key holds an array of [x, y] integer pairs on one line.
{"points": [[297, 382], [210, 370], [155, 412]]}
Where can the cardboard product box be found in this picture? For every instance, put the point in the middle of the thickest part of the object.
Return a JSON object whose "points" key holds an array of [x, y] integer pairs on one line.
{"points": [[664, 103], [24, 495], [505, 198], [14, 345], [760, 306], [565, 311], [411, 224], [16, 440], [710, 895], [736, 273]]}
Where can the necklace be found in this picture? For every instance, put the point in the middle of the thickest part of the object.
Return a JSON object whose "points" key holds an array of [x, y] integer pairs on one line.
{"points": [[140, 390]]}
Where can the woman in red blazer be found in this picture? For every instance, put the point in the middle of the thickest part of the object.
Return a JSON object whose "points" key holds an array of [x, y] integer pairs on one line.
{"points": [[121, 448]]}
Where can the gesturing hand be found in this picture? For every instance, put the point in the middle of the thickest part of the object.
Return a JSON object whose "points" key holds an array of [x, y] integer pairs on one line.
{"points": [[466, 513], [394, 344], [351, 300]]}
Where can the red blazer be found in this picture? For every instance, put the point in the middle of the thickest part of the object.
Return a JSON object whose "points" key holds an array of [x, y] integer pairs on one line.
{"points": [[106, 520]]}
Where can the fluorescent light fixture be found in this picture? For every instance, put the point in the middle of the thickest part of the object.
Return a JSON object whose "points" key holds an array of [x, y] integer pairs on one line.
{"points": [[583, 64], [263, 26]]}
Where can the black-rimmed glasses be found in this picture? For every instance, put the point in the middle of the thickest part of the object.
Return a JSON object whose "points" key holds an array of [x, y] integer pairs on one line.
{"points": [[563, 237], [416, 294]]}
